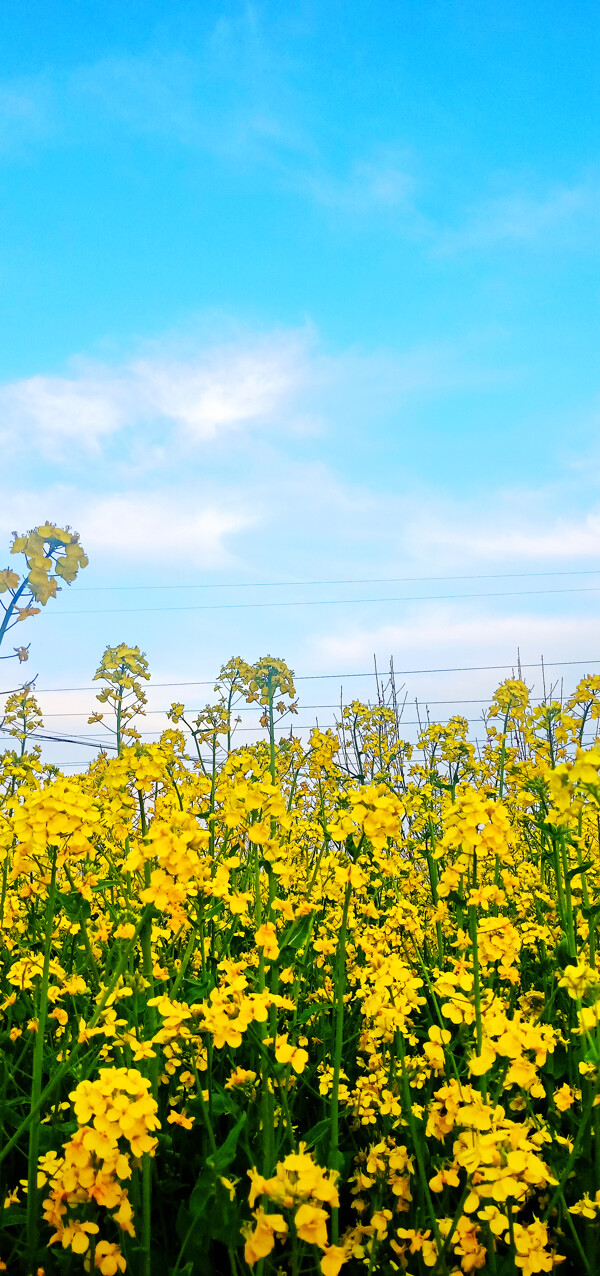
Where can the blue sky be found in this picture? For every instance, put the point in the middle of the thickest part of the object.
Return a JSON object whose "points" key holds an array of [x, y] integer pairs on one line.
{"points": [[304, 292]]}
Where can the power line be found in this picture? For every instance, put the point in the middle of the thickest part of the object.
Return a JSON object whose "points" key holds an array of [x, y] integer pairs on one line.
{"points": [[365, 580], [341, 677], [63, 739], [102, 745], [324, 602], [253, 709]]}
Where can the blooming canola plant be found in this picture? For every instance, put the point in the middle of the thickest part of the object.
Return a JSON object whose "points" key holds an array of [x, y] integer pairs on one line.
{"points": [[301, 1007]]}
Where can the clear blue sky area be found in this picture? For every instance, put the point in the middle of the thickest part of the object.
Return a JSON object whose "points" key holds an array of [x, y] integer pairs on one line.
{"points": [[304, 292]]}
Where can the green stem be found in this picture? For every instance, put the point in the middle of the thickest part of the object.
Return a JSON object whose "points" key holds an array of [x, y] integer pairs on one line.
{"points": [[84, 936], [476, 976], [11, 606], [150, 1026], [503, 752], [433, 881], [36, 1080], [573, 1231], [271, 729], [334, 1109], [571, 1158], [417, 1143], [67, 1063], [559, 888], [185, 961]]}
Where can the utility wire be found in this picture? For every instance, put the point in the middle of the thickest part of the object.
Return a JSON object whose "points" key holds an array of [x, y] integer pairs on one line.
{"points": [[62, 739], [107, 744], [254, 709], [365, 580], [341, 677], [102, 745], [324, 602]]}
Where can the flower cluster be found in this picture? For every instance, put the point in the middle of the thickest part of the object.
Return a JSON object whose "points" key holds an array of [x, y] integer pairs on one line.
{"points": [[328, 1005], [116, 1117]]}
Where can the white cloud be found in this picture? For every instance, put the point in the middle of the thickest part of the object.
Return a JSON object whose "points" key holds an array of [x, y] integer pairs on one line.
{"points": [[81, 409], [443, 637], [519, 217], [163, 527], [212, 389], [180, 529], [381, 182], [26, 112], [452, 660], [222, 389], [509, 534], [192, 391]]}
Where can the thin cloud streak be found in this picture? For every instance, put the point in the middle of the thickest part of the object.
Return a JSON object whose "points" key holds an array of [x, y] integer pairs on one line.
{"points": [[508, 535], [282, 379], [154, 529], [460, 639], [216, 389], [257, 120], [560, 218]]}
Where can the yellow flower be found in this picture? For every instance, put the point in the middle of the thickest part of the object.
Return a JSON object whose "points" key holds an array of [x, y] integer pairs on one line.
{"points": [[261, 1241], [564, 1098], [578, 980], [586, 1207], [108, 1258], [286, 1053], [125, 931], [333, 1260], [8, 580], [311, 1225], [180, 1118], [532, 1255], [266, 939], [77, 1236]]}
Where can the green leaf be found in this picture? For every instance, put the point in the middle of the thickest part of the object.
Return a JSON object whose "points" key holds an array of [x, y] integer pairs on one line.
{"points": [[579, 869], [74, 906], [298, 932], [224, 1155], [211, 1216], [317, 1133], [14, 1214], [204, 1188]]}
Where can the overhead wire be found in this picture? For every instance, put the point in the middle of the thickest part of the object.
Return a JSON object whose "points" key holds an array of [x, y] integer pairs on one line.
{"points": [[363, 580], [323, 602], [252, 708], [341, 677]]}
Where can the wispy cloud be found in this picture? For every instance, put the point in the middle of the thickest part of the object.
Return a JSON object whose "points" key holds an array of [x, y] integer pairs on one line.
{"points": [[149, 93], [232, 91], [557, 216], [192, 390], [508, 532], [234, 95], [240, 98], [383, 182], [191, 525], [27, 113], [48, 409], [212, 389], [158, 525], [442, 635]]}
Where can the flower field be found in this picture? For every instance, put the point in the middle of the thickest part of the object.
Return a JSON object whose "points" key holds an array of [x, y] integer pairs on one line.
{"points": [[302, 1007]]}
